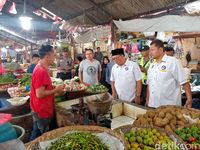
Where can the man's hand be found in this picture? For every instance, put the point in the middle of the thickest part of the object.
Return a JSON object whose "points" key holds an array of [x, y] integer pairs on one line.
{"points": [[146, 104], [188, 104], [137, 100], [188, 93], [114, 95], [59, 89]]}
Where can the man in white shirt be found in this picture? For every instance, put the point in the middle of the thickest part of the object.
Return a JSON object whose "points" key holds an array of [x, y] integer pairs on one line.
{"points": [[165, 77], [126, 78]]}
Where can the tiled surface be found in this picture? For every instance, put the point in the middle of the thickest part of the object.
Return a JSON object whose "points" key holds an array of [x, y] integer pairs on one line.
{"points": [[121, 121]]}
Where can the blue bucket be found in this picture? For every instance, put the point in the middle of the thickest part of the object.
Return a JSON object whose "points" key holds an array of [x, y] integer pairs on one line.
{"points": [[7, 132]]}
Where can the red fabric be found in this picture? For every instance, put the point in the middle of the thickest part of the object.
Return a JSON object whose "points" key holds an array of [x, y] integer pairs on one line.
{"points": [[4, 118], [44, 107], [2, 70], [2, 3]]}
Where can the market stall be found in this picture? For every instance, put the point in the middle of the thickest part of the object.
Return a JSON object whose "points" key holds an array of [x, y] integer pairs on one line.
{"points": [[86, 115]]}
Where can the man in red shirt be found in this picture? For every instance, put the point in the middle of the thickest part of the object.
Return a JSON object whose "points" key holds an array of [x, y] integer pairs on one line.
{"points": [[42, 93]]}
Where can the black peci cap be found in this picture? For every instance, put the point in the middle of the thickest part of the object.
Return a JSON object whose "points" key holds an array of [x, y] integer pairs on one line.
{"points": [[118, 51]]}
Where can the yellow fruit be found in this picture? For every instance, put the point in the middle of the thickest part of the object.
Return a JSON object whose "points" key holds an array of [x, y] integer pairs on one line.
{"points": [[129, 146], [150, 134], [139, 139], [154, 138], [157, 134], [154, 131], [144, 131], [132, 132], [132, 139], [161, 137], [146, 136], [134, 145]]}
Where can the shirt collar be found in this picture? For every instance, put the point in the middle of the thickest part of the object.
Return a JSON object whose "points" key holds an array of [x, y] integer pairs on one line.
{"points": [[164, 59]]}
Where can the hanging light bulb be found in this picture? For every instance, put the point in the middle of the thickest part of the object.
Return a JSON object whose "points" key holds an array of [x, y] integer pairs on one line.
{"points": [[25, 20]]}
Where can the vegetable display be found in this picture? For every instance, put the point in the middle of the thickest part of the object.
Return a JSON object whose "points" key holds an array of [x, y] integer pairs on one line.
{"points": [[57, 82], [149, 139], [191, 135], [7, 78], [26, 80], [76, 79], [72, 86], [78, 141], [97, 88]]}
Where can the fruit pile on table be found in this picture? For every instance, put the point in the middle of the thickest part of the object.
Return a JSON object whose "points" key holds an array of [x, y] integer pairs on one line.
{"points": [[191, 135], [149, 139]]}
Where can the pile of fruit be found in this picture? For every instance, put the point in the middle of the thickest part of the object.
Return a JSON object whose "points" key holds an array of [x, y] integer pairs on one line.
{"points": [[191, 135], [149, 139], [170, 118], [97, 88], [78, 141]]}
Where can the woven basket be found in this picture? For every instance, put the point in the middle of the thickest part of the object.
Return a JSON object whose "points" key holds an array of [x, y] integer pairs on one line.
{"points": [[99, 104], [125, 129], [61, 131]]}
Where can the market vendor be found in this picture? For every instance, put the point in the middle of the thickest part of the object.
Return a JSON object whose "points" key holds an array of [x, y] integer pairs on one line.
{"points": [[98, 55], [144, 66], [35, 60], [90, 69], [126, 78], [165, 77], [42, 93], [64, 66]]}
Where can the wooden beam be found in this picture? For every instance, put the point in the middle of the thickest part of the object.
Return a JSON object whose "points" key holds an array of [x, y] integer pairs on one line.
{"points": [[87, 10]]}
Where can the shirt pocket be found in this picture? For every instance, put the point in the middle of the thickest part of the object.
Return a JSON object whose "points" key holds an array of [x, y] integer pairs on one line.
{"points": [[164, 76]]}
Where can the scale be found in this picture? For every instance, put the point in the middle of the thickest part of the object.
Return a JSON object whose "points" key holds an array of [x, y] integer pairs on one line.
{"points": [[91, 113]]}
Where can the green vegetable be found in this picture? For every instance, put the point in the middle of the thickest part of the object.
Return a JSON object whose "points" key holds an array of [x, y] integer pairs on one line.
{"points": [[26, 80], [7, 78], [78, 141], [97, 88], [189, 134]]}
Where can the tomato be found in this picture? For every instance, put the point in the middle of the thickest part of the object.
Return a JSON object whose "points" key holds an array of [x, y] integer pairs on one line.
{"points": [[192, 139]]}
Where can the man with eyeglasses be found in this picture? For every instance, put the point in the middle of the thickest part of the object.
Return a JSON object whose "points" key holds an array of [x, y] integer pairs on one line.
{"points": [[126, 78]]}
